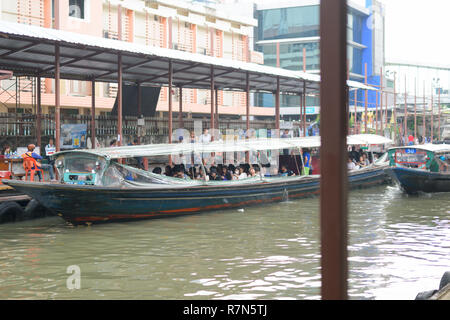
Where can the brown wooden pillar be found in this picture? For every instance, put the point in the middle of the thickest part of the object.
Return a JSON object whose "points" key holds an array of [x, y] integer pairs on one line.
{"points": [[212, 99], [93, 115], [247, 101], [334, 122], [38, 113], [169, 98], [119, 100], [57, 100]]}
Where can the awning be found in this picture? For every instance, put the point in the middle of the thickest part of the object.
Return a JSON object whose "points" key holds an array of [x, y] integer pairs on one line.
{"points": [[243, 145]]}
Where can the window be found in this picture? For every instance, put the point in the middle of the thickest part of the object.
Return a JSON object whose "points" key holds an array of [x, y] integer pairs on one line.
{"points": [[76, 8]]}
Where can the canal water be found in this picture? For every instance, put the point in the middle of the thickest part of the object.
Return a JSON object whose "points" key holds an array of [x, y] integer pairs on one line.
{"points": [[398, 246]]}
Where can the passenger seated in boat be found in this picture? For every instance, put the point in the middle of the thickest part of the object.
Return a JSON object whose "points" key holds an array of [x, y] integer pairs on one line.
{"points": [[202, 175], [354, 155], [443, 165], [350, 164], [157, 170], [363, 161], [240, 173], [226, 175], [285, 172], [252, 172], [213, 175], [168, 171]]}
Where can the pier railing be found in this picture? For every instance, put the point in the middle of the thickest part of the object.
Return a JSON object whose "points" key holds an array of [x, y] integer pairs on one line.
{"points": [[20, 129]]}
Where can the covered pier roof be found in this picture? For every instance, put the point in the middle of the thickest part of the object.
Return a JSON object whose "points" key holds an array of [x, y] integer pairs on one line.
{"points": [[30, 50]]}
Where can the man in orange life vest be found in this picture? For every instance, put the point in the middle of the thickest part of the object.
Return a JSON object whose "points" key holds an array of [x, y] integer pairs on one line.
{"points": [[31, 154]]}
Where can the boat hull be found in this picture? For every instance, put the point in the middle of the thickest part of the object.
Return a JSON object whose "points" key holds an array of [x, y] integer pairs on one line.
{"points": [[413, 181], [93, 204]]}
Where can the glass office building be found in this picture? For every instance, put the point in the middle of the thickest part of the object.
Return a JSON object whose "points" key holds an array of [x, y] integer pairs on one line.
{"points": [[286, 28]]}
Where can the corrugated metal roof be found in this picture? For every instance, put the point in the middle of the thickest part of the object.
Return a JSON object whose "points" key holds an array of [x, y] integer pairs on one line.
{"points": [[30, 50]]}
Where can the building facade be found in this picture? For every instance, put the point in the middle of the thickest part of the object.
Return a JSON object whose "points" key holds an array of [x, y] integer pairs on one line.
{"points": [[204, 27], [288, 36]]}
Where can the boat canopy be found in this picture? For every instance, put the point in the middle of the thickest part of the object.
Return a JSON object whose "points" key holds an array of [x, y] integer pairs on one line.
{"points": [[435, 148], [244, 145]]}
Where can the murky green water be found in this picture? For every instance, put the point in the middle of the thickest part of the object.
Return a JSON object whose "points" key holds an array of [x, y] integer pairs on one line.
{"points": [[398, 246]]}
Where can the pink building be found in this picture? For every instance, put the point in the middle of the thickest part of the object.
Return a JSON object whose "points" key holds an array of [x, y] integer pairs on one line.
{"points": [[176, 24]]}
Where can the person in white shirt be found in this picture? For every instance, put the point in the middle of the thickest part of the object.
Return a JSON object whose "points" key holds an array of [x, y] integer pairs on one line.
{"points": [[350, 164], [205, 137], [242, 174]]}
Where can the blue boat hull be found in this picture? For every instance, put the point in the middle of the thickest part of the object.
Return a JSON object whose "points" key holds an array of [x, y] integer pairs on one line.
{"points": [[93, 204], [413, 181]]}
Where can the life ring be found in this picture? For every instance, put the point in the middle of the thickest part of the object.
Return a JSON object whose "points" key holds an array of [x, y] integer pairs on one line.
{"points": [[11, 211]]}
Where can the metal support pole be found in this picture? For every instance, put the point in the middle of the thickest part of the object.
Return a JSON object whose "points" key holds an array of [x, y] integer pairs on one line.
{"points": [[439, 116], [395, 110], [93, 115], [415, 109], [376, 112], [381, 101], [365, 98], [39, 113], [334, 181], [424, 115], [169, 97], [217, 109], [247, 101], [356, 113], [405, 119], [277, 105], [304, 107], [300, 123], [432, 120], [57, 100], [119, 100], [180, 111], [212, 98]]}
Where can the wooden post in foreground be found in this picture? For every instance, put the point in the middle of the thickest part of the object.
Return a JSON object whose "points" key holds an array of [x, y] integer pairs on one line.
{"points": [[333, 152]]}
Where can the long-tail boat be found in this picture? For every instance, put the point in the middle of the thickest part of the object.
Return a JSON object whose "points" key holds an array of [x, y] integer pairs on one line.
{"points": [[420, 168], [94, 187]]}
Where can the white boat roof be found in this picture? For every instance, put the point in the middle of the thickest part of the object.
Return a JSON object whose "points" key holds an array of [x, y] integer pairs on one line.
{"points": [[436, 148], [243, 145]]}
